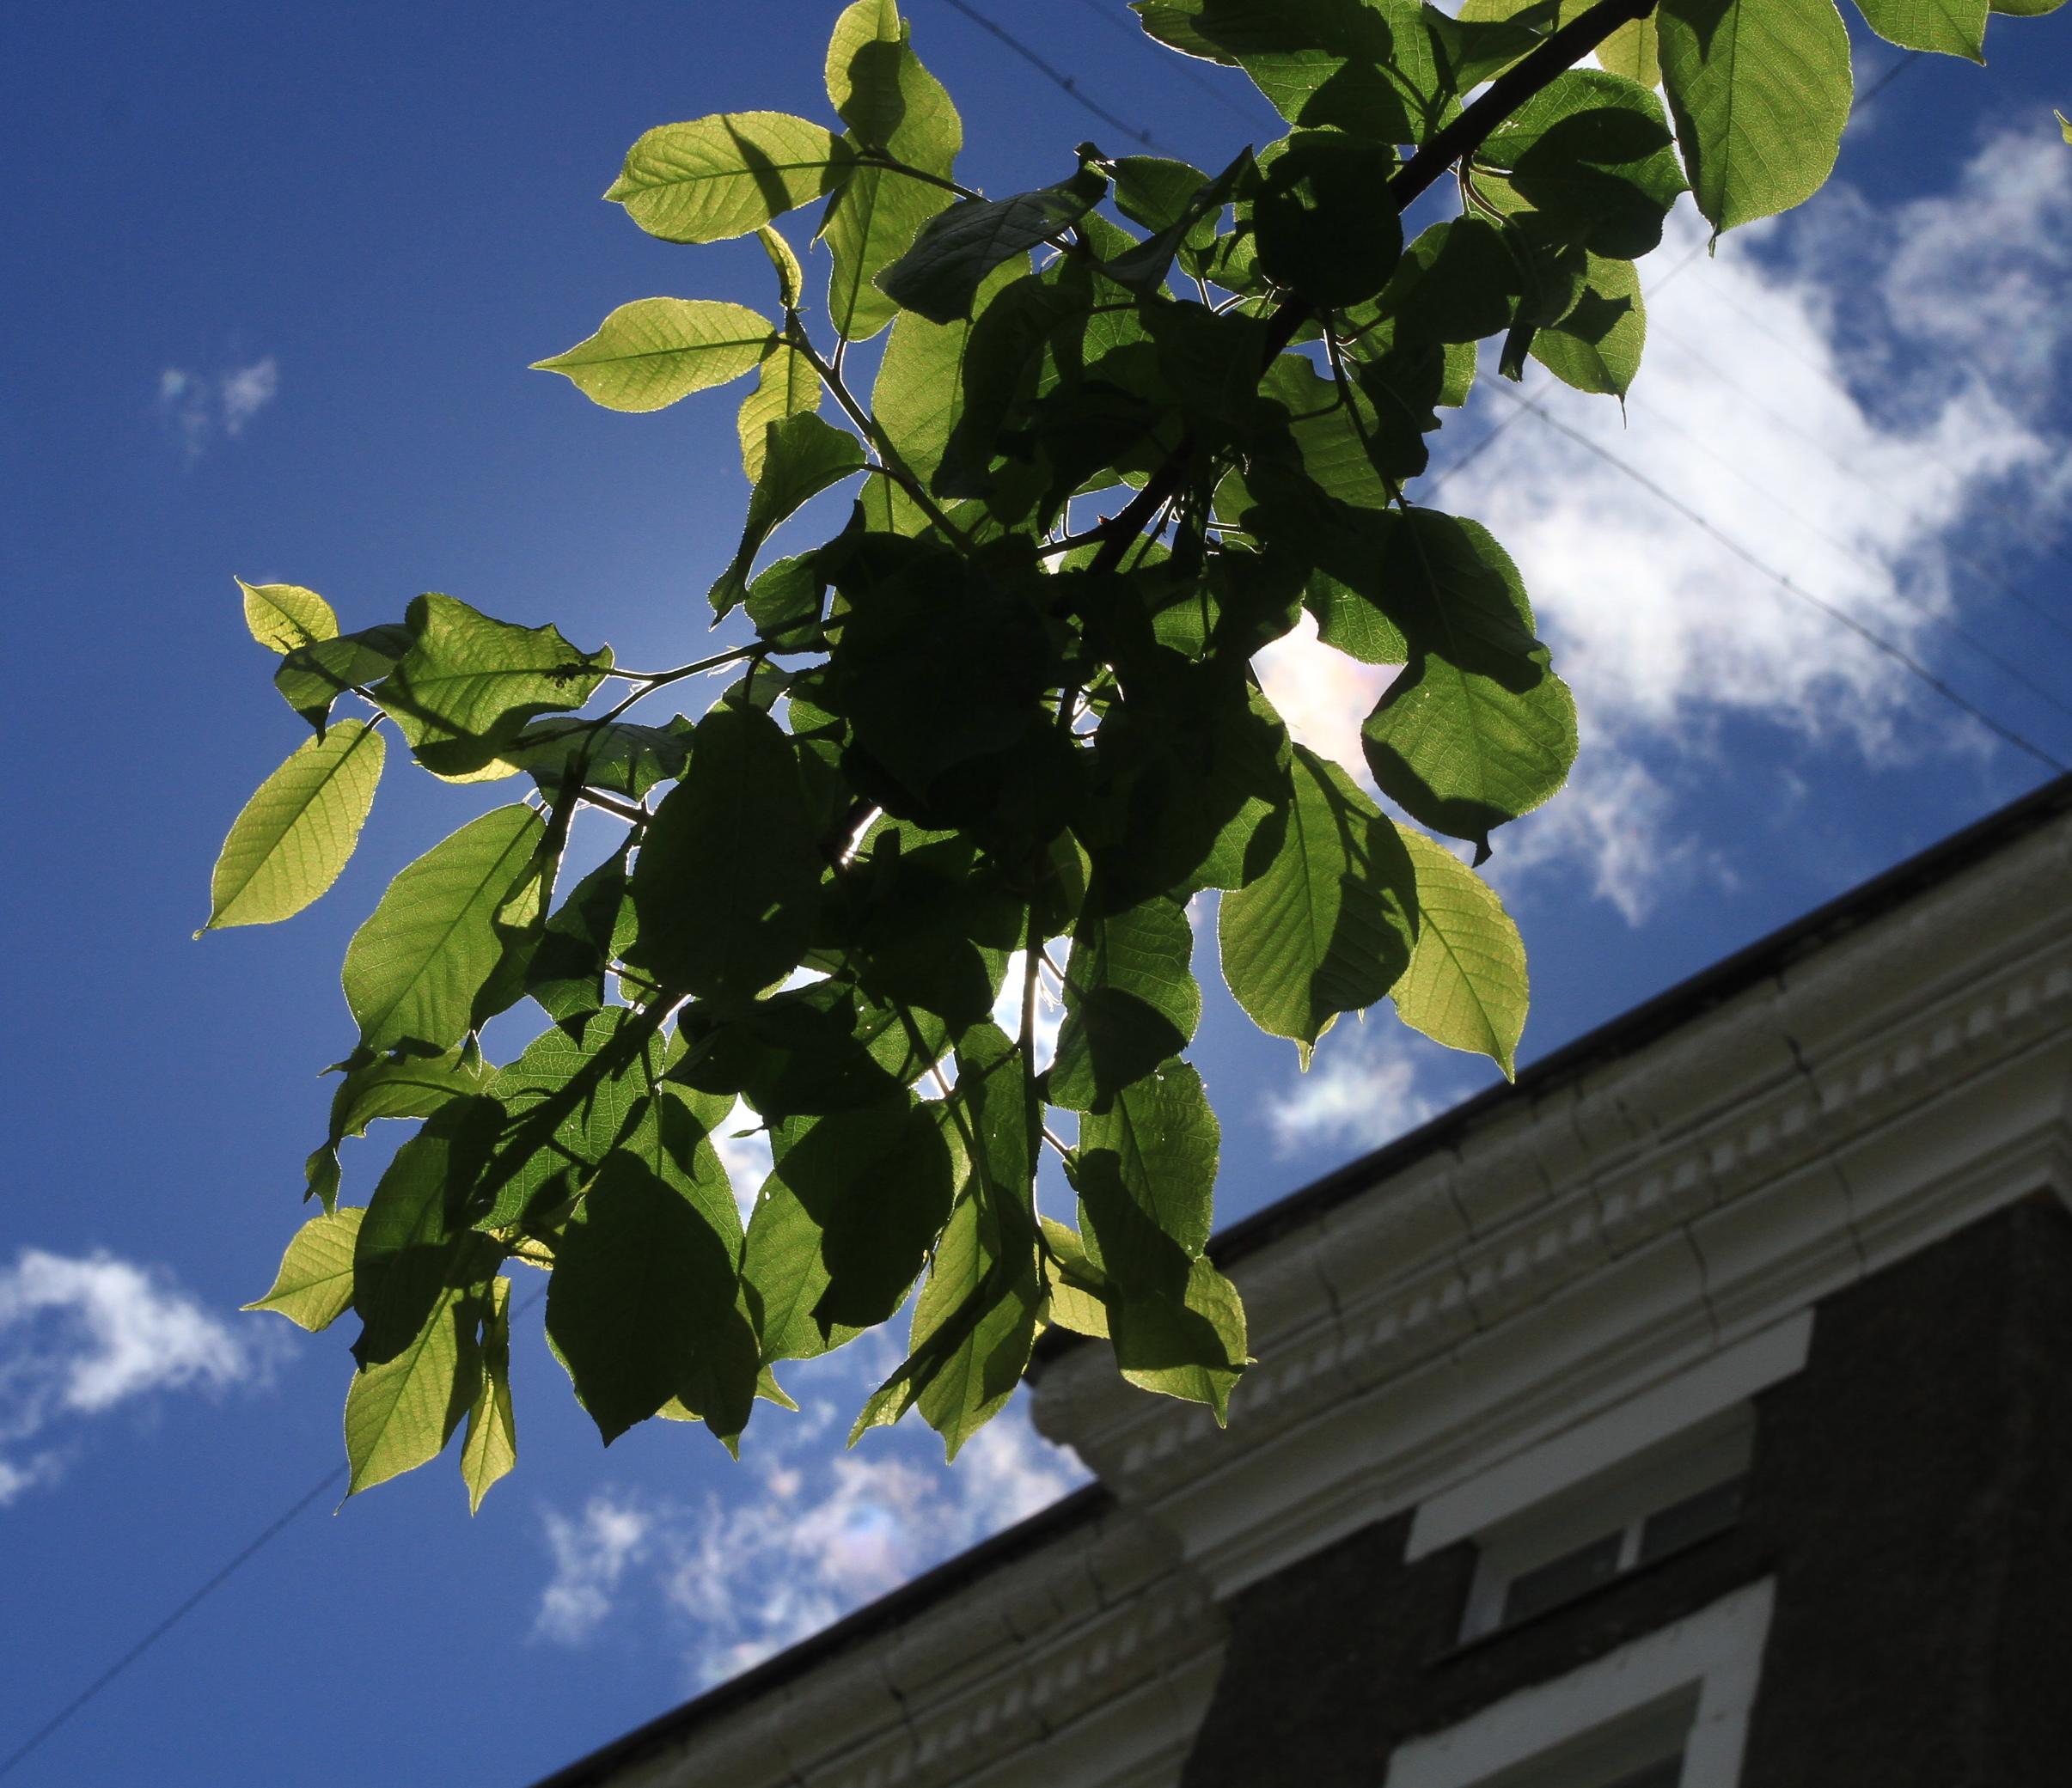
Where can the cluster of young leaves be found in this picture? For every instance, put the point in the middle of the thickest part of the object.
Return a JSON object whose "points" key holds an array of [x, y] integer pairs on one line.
{"points": [[969, 729]]}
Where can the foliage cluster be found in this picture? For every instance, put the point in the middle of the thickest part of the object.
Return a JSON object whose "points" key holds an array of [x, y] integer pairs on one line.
{"points": [[986, 723]]}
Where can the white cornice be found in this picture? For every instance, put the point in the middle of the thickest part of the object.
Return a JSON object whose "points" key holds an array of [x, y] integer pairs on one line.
{"points": [[1572, 1248]]}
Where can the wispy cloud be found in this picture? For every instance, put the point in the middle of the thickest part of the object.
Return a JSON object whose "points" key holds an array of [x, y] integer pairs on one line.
{"points": [[80, 1337], [1366, 1085], [199, 406], [1847, 394], [591, 1553], [809, 1533]]}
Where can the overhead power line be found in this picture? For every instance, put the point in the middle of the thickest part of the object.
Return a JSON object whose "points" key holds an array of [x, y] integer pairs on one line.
{"points": [[1877, 642], [1136, 134]]}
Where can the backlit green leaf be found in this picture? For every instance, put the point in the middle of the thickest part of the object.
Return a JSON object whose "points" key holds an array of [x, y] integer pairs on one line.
{"points": [[726, 174], [1146, 1176], [1130, 1002], [648, 354], [1597, 345], [1328, 927], [987, 1300], [490, 1448], [642, 1292], [1760, 91], [1955, 27], [1325, 223], [740, 804], [1192, 1346], [314, 1287], [790, 278], [890, 102], [312, 676], [467, 686], [804, 456], [414, 970], [1465, 986], [785, 385], [940, 276], [297, 830], [283, 616], [1591, 152], [400, 1412]]}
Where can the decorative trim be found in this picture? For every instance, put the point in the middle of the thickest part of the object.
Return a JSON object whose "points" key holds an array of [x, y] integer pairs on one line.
{"points": [[1652, 1419]]}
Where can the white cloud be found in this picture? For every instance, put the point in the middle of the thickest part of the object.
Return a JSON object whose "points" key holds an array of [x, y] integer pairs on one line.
{"points": [[803, 1535], [743, 1147], [1844, 394], [1049, 1014], [80, 1336], [591, 1555], [198, 407], [1366, 1085]]}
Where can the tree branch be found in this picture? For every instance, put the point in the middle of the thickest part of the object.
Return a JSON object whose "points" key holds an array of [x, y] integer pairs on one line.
{"points": [[1467, 133]]}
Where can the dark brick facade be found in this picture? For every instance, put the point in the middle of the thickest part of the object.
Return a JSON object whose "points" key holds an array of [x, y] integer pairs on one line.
{"points": [[1911, 1493]]}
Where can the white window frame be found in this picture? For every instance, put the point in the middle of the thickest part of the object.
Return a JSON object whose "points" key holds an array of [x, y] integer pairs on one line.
{"points": [[1618, 1502], [1710, 1661]]}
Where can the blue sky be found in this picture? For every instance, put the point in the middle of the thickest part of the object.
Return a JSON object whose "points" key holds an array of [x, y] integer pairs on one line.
{"points": [[277, 274]]}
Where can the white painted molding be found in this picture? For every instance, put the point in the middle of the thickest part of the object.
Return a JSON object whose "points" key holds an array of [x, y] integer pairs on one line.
{"points": [[1573, 1250], [1730, 1376], [1718, 1651]]}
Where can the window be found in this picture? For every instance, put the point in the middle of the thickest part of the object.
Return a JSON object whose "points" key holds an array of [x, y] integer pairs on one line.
{"points": [[1676, 1494], [1667, 1711]]}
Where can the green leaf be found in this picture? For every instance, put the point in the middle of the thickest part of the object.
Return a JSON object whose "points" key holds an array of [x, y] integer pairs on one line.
{"points": [[1474, 732], [465, 690], [785, 602], [414, 1245], [490, 1448], [726, 174], [1954, 28], [1597, 345], [786, 386], [790, 278], [1325, 220], [642, 1296], [297, 830], [940, 276], [568, 1101], [785, 1277], [283, 616], [979, 1307], [312, 676], [1760, 91], [400, 1412], [390, 1086], [1130, 1002], [415, 970], [314, 1287], [648, 354], [1327, 928], [623, 757], [918, 397], [1634, 50], [1465, 986], [877, 1185], [1145, 1173], [1591, 152], [1369, 66], [1463, 753], [890, 102], [804, 456], [1192, 1346], [727, 883]]}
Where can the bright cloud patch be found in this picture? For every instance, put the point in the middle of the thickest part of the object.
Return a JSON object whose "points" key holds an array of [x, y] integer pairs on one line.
{"points": [[199, 406], [1870, 403], [1367, 1084], [79, 1336], [811, 1533]]}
